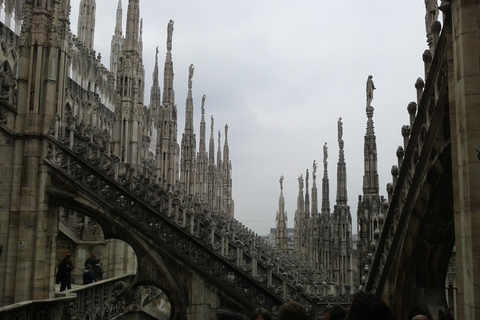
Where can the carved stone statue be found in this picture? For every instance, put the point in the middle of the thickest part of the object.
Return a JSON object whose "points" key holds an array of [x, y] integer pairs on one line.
{"points": [[307, 178], [370, 88], [300, 182], [170, 31], [281, 182], [340, 129], [191, 69], [325, 153], [203, 103], [314, 173]]}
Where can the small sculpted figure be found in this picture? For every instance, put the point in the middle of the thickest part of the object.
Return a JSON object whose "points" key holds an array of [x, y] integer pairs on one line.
{"points": [[300, 182], [370, 88], [170, 31], [340, 129], [190, 71], [325, 153]]}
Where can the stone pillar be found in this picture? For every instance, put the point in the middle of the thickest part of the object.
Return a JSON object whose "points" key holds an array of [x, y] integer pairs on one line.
{"points": [[29, 227], [464, 94]]}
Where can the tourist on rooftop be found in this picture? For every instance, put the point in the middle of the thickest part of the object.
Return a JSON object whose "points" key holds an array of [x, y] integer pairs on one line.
{"points": [[292, 311], [260, 314], [336, 312]]}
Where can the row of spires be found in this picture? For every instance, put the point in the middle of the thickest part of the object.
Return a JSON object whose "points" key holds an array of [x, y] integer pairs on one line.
{"points": [[322, 239], [325, 240], [195, 172]]}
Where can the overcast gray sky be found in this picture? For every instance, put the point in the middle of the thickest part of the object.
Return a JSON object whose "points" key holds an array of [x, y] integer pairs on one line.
{"points": [[280, 73]]}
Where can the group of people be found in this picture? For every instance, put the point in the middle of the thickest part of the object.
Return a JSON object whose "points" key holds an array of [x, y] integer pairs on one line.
{"points": [[93, 271], [364, 306]]}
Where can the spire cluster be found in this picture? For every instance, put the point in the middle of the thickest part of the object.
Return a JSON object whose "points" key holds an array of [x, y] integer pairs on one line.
{"points": [[323, 239], [145, 137]]}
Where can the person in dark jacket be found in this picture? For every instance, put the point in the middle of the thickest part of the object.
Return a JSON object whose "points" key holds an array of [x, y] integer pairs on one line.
{"points": [[98, 270], [88, 275], [64, 273], [92, 260]]}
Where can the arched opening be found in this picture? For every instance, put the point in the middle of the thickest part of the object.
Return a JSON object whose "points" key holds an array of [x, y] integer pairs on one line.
{"points": [[102, 225], [82, 237]]}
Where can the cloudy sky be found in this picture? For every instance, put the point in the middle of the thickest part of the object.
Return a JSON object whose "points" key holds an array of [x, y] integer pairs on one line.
{"points": [[280, 73]]}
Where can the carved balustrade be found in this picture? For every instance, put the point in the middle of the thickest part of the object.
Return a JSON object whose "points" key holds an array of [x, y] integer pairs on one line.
{"points": [[101, 300], [212, 242]]}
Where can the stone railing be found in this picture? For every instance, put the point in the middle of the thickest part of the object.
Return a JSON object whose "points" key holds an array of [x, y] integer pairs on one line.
{"points": [[222, 248], [100, 300], [414, 158]]}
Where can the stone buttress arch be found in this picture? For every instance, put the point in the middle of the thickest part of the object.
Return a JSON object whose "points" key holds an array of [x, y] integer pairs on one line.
{"points": [[152, 268]]}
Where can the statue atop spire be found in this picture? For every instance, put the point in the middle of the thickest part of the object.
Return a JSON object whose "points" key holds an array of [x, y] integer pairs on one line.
{"points": [[300, 182], [306, 180], [203, 104], [155, 69], [314, 173], [281, 183], [190, 75], [370, 88], [340, 129], [325, 154], [169, 35]]}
